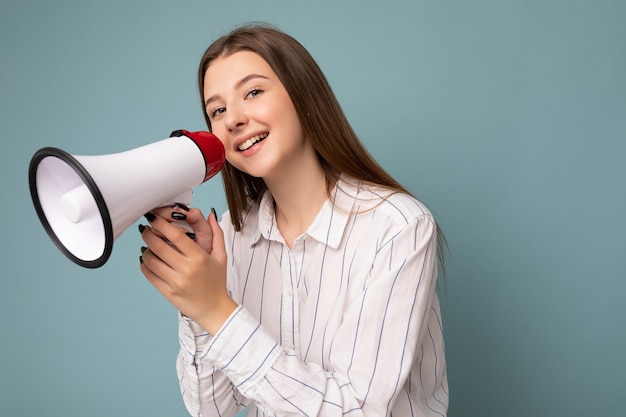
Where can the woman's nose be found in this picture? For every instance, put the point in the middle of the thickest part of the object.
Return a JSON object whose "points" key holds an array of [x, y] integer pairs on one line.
{"points": [[235, 118]]}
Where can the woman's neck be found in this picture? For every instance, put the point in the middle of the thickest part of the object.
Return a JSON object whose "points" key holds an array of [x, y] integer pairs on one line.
{"points": [[299, 197]]}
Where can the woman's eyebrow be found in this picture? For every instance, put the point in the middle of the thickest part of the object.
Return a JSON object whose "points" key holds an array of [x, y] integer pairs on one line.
{"points": [[238, 84]]}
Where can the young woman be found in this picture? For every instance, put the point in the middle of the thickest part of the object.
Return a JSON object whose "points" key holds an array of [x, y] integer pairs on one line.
{"points": [[316, 294]]}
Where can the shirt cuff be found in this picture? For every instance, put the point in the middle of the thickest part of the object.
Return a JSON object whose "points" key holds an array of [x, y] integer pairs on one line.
{"points": [[242, 350], [191, 336]]}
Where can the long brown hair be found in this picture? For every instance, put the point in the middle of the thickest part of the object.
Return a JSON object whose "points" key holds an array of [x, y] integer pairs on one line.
{"points": [[323, 122]]}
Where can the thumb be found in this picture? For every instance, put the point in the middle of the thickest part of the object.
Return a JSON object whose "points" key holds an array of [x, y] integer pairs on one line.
{"points": [[218, 249]]}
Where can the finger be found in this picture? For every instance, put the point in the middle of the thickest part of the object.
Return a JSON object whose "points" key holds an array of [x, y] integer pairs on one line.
{"points": [[201, 229], [160, 256], [157, 282], [218, 248], [191, 220], [196, 220], [173, 214], [173, 241]]}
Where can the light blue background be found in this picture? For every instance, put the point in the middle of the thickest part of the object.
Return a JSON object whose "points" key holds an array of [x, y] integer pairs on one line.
{"points": [[507, 117]]}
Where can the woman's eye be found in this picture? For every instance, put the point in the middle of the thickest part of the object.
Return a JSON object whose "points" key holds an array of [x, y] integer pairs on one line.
{"points": [[217, 112], [253, 93]]}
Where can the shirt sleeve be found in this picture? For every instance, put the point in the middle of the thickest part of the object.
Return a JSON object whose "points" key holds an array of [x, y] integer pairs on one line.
{"points": [[205, 390], [372, 354]]}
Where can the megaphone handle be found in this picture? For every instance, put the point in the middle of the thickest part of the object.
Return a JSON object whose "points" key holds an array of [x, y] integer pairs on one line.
{"points": [[182, 198], [183, 224]]}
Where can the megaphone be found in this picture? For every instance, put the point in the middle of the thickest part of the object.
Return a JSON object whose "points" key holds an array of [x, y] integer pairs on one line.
{"points": [[86, 202]]}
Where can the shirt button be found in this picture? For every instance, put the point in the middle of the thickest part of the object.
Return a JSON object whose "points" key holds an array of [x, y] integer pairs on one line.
{"points": [[289, 293], [289, 346]]}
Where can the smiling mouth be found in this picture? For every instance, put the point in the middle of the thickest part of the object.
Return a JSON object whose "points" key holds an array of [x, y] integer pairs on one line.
{"points": [[252, 141]]}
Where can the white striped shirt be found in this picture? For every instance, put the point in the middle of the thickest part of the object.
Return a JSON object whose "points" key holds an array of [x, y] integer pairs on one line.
{"points": [[347, 321]]}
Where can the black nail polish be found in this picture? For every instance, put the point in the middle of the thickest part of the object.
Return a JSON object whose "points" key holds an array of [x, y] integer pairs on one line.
{"points": [[141, 228], [150, 217], [143, 249], [140, 260], [178, 216], [214, 213], [182, 206], [191, 235]]}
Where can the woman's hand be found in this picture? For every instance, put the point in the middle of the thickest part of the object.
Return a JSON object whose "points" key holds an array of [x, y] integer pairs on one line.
{"points": [[191, 274], [201, 230]]}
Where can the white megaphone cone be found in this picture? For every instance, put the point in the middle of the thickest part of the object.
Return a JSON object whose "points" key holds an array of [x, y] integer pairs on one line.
{"points": [[86, 202]]}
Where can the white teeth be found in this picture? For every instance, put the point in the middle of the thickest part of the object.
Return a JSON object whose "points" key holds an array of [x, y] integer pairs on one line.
{"points": [[252, 141]]}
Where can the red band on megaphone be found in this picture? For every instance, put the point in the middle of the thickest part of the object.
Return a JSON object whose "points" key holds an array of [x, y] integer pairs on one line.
{"points": [[212, 150]]}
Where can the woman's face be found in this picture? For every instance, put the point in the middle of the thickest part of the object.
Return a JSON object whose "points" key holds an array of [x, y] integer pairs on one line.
{"points": [[253, 115]]}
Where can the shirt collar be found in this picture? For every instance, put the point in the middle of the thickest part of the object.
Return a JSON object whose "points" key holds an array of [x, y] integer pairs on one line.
{"points": [[329, 225]]}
